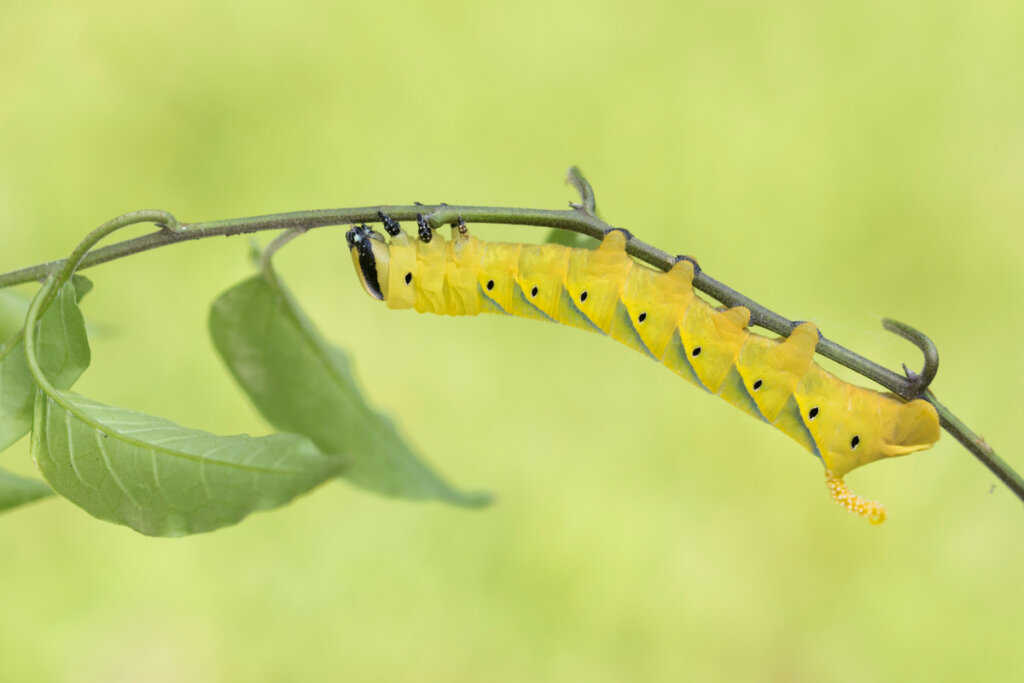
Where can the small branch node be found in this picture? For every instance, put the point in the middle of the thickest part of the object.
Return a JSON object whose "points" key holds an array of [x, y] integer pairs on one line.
{"points": [[170, 225]]}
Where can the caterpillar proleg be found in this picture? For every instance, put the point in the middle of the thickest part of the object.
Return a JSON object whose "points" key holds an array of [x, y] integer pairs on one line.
{"points": [[659, 314]]}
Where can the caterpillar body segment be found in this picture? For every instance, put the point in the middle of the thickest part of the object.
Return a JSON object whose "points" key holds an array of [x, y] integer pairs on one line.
{"points": [[658, 314]]}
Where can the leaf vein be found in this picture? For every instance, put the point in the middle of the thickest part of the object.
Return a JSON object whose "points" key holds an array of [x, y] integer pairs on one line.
{"points": [[110, 468], [72, 453]]}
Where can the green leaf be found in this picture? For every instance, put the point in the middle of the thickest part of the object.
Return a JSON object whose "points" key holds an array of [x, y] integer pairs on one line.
{"points": [[63, 351], [13, 308], [15, 490], [568, 238], [301, 384], [148, 473], [163, 479]]}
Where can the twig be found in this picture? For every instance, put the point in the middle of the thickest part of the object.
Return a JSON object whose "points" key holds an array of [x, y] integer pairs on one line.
{"points": [[582, 219], [589, 201]]}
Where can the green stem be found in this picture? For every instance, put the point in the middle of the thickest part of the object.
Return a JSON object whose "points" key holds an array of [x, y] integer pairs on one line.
{"points": [[307, 220], [931, 354], [46, 294], [272, 249], [977, 446], [581, 220], [41, 300], [588, 203], [574, 220]]}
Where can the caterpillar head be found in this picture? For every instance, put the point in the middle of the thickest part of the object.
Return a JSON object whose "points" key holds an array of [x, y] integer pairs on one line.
{"points": [[371, 257], [884, 428], [902, 428]]}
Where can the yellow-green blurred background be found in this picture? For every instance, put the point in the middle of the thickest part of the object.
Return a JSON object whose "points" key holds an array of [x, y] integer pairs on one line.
{"points": [[837, 161]]}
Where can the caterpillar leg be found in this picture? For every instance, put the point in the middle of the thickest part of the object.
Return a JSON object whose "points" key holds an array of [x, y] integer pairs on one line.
{"points": [[391, 226], [841, 494], [423, 229]]}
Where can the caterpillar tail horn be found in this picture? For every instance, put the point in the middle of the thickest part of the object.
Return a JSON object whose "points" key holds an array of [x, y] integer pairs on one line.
{"points": [[871, 510]]}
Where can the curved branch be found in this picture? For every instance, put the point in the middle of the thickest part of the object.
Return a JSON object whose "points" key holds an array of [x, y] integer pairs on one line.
{"points": [[589, 202], [978, 447], [927, 346], [308, 220], [582, 220]]}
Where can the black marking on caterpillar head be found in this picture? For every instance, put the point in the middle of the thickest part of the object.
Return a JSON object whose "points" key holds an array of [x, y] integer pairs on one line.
{"points": [[355, 235], [583, 296], [642, 317], [757, 384], [533, 292], [358, 238], [391, 226], [854, 442], [695, 352], [425, 233], [812, 413], [490, 285], [696, 266]]}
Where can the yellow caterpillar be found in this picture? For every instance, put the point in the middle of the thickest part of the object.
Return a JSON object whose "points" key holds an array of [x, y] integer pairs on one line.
{"points": [[658, 314]]}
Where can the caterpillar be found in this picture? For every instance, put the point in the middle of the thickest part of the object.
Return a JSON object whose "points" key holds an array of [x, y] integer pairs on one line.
{"points": [[657, 313]]}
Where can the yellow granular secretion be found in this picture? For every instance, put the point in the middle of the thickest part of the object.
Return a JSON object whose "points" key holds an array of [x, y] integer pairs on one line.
{"points": [[841, 494]]}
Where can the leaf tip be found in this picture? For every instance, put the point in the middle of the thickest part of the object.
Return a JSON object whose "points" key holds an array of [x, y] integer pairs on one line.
{"points": [[473, 499]]}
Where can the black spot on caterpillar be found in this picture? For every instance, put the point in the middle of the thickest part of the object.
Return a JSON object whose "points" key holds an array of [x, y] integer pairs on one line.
{"points": [[844, 425]]}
